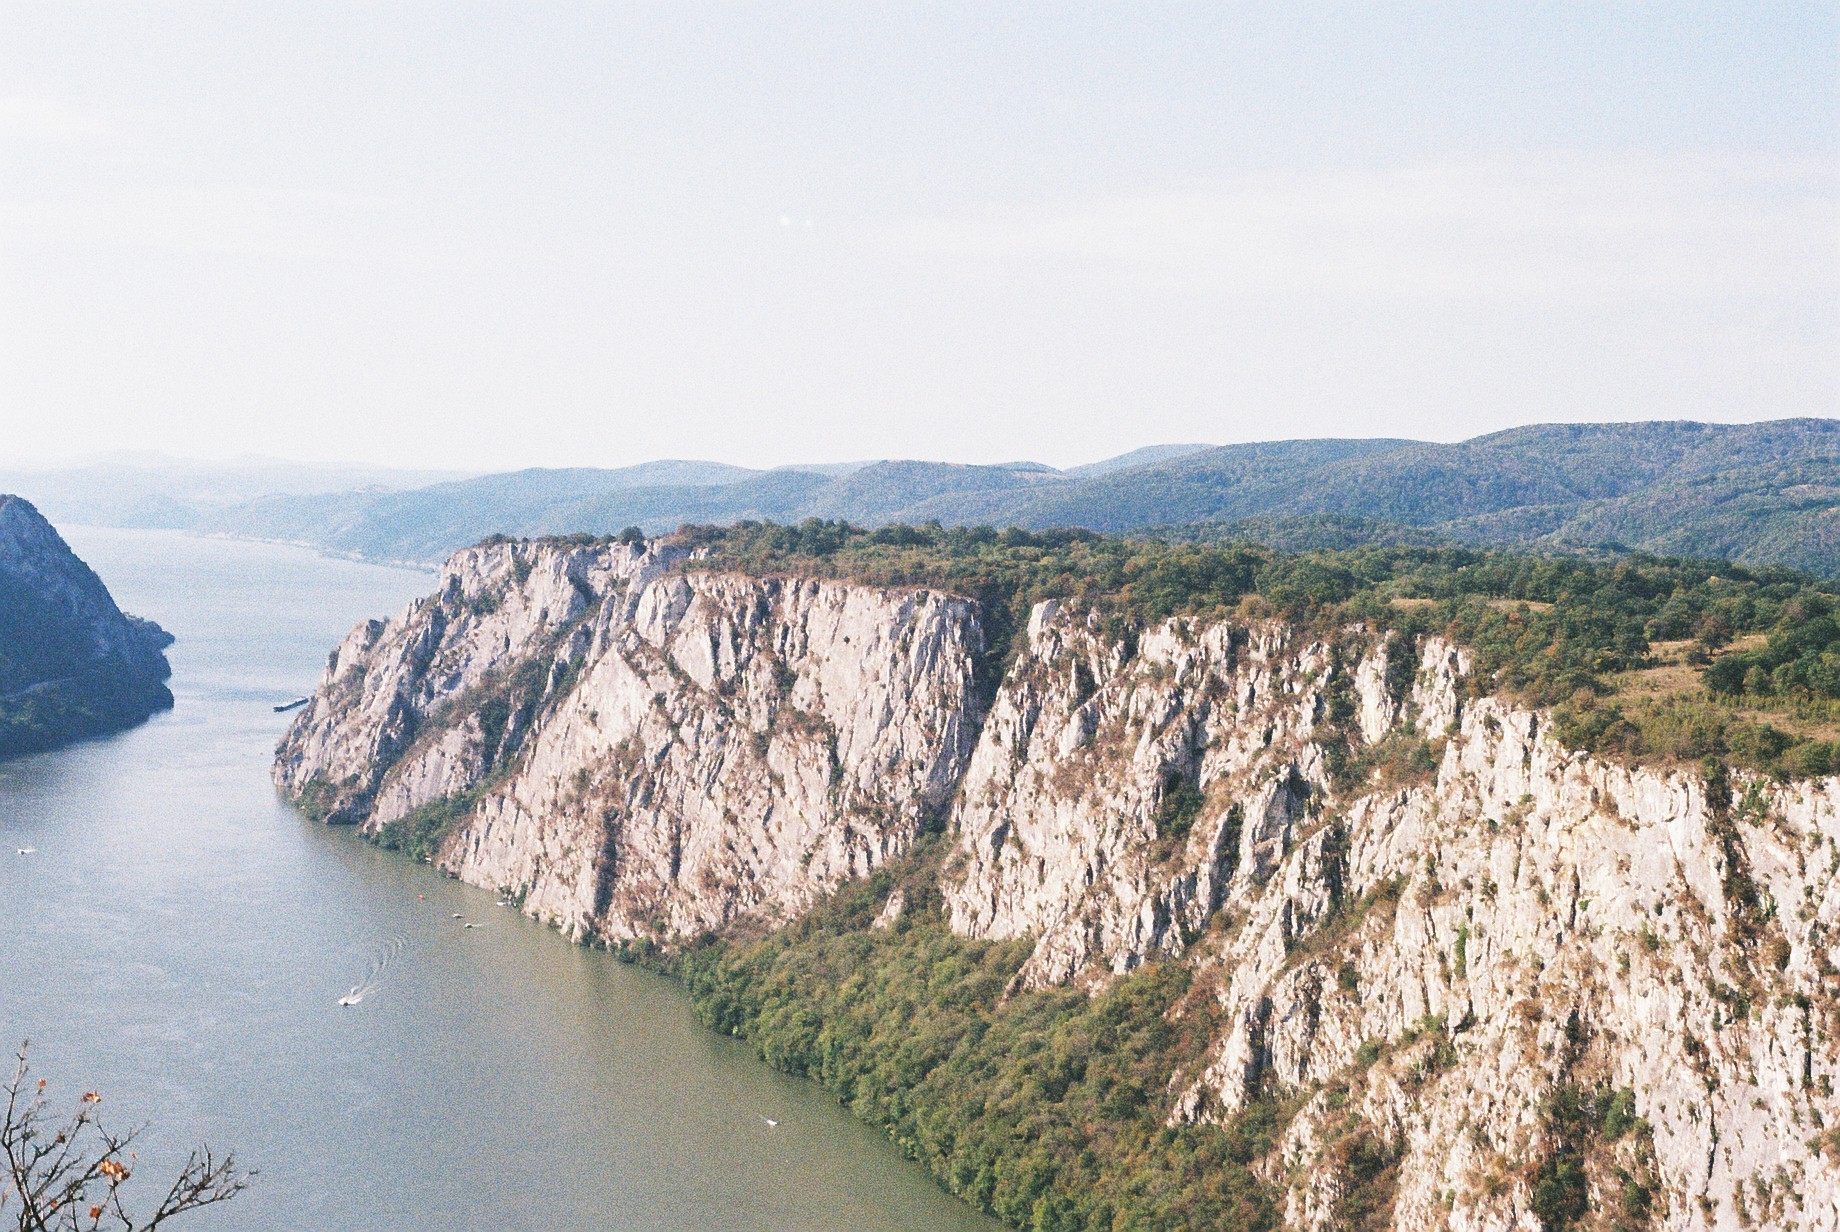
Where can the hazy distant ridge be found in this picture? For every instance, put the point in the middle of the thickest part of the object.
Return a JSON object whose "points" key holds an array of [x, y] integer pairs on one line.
{"points": [[1760, 493]]}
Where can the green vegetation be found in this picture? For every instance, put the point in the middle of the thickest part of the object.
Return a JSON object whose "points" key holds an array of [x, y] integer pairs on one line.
{"points": [[320, 799], [1369, 1170], [418, 833], [1182, 802], [90, 704], [1615, 647], [1800, 658], [1046, 1110], [1582, 1123], [71, 664], [1760, 493]]}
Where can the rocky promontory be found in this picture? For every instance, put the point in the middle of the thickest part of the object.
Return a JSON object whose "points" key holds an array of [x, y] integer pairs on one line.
{"points": [[1465, 976], [72, 664]]}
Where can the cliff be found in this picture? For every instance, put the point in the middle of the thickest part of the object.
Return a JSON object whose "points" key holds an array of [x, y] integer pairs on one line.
{"points": [[640, 753], [71, 663], [1492, 983]]}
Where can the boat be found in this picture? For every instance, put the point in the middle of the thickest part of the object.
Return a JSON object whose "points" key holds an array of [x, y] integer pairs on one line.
{"points": [[296, 704]]}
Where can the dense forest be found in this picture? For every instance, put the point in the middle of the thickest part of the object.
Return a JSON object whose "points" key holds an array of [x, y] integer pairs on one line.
{"points": [[1044, 1108]]}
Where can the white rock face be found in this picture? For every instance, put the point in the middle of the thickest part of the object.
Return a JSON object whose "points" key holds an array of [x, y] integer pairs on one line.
{"points": [[1116, 790], [1549, 921], [690, 749], [1518, 924], [1418, 919]]}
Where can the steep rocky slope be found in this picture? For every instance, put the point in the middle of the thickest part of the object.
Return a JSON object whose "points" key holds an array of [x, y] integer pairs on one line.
{"points": [[71, 664], [1436, 963], [643, 753], [1493, 983]]}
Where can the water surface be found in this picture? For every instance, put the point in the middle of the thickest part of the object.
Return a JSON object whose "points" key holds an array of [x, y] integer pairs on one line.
{"points": [[180, 939]]}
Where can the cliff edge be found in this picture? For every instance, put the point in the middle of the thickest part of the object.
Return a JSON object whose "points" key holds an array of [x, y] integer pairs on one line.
{"points": [[1490, 982]]}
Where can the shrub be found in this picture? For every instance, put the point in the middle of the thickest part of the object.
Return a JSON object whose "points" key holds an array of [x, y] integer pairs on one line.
{"points": [[1046, 1109]]}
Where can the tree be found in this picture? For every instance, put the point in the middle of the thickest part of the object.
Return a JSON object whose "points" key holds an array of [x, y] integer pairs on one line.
{"points": [[67, 1175]]}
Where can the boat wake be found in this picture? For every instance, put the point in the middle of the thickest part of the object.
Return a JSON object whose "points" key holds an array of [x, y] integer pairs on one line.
{"points": [[373, 979]]}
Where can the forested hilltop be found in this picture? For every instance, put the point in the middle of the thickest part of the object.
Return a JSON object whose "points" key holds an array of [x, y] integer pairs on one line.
{"points": [[1647, 658], [71, 664], [1765, 493]]}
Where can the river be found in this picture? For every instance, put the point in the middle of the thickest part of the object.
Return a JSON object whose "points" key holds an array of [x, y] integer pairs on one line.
{"points": [[179, 940]]}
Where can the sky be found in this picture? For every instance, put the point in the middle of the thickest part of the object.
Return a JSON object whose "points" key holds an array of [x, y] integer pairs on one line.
{"points": [[485, 236]]}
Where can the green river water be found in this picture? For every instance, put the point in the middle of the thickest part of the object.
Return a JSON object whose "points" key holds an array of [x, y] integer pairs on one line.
{"points": [[180, 939]]}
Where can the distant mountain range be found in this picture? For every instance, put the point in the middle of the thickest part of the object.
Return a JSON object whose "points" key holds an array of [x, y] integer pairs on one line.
{"points": [[1756, 493], [155, 491]]}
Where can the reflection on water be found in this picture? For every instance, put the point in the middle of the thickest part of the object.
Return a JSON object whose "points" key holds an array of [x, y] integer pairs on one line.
{"points": [[182, 941]]}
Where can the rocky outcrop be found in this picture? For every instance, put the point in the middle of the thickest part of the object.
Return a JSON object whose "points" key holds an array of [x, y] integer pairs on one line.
{"points": [[1442, 967], [1489, 983], [1125, 790], [71, 663], [647, 754]]}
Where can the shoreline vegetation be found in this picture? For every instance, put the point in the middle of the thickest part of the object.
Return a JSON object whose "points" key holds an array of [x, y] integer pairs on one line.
{"points": [[1045, 1109]]}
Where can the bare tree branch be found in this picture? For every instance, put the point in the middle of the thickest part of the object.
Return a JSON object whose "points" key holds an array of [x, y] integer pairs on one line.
{"points": [[68, 1175]]}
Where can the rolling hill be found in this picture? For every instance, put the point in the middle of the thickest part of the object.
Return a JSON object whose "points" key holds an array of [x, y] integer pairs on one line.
{"points": [[1759, 493]]}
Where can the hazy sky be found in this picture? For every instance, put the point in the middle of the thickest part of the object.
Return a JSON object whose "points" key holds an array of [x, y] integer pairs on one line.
{"points": [[567, 234]]}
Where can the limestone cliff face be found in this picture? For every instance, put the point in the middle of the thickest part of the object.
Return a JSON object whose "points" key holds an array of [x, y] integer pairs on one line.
{"points": [[1432, 965], [400, 720], [642, 753], [71, 663], [1124, 792], [1529, 923], [1459, 951]]}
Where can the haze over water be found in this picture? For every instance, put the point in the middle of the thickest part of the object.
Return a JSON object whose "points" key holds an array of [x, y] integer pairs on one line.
{"points": [[180, 940]]}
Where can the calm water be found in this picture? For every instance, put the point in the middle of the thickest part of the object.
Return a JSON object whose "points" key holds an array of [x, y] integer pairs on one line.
{"points": [[180, 939]]}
